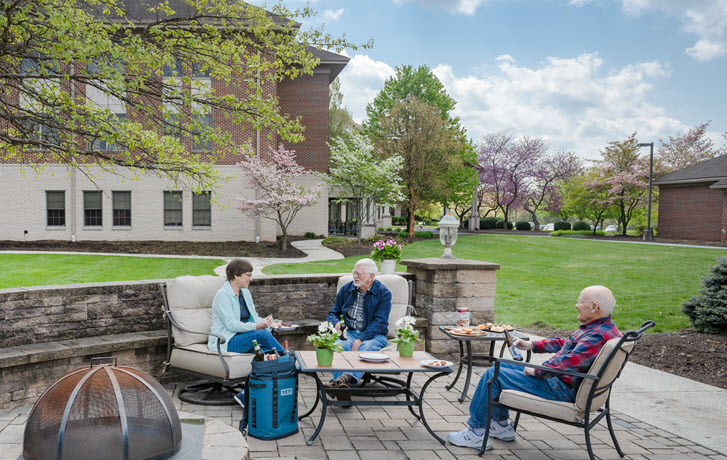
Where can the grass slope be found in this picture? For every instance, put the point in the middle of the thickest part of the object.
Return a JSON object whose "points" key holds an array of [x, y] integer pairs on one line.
{"points": [[50, 269], [540, 278]]}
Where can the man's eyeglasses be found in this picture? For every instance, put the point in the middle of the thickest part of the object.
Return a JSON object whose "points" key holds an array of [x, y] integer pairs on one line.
{"points": [[358, 273]]}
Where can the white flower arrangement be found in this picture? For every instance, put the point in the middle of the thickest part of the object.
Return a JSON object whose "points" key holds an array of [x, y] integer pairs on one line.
{"points": [[405, 332], [326, 337]]}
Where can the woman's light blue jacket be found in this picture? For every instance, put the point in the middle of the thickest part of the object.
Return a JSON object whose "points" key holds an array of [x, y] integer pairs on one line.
{"points": [[226, 316]]}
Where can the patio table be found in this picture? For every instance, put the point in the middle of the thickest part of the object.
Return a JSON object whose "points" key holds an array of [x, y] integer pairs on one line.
{"points": [[350, 361], [477, 359]]}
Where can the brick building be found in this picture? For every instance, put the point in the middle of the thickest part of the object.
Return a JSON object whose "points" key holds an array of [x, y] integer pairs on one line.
{"points": [[61, 203], [693, 202]]}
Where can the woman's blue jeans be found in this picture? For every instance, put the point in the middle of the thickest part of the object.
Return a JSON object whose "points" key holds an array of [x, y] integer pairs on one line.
{"points": [[242, 342], [375, 344], [512, 377]]}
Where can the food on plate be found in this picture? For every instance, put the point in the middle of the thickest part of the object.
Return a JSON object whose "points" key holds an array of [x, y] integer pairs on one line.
{"points": [[279, 323], [501, 328], [437, 363]]}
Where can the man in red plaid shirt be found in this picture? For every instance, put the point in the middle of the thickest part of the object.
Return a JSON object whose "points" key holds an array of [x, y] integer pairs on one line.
{"points": [[575, 353]]}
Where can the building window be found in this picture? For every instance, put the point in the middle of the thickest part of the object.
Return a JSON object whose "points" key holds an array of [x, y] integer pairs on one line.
{"points": [[92, 209], [122, 209], [172, 209], [200, 142], [173, 125], [55, 203], [174, 70], [201, 209], [100, 144]]}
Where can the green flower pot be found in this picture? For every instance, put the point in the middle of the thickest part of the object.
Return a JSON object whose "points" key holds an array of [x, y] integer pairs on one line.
{"points": [[324, 357], [406, 349]]}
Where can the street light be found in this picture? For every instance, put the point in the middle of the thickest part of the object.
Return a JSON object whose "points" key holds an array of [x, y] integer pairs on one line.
{"points": [[649, 232], [448, 234]]}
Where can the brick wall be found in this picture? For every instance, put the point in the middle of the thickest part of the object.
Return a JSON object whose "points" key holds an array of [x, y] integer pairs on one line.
{"points": [[693, 212], [307, 97]]}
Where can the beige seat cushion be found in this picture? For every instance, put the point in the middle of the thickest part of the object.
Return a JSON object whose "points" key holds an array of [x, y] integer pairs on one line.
{"points": [[199, 358], [190, 302], [557, 409], [399, 288]]}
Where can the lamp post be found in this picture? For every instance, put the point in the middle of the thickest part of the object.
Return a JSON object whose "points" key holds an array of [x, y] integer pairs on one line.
{"points": [[448, 234], [649, 232]]}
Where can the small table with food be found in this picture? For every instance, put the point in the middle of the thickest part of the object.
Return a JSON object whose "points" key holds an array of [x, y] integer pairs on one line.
{"points": [[492, 333], [378, 363]]}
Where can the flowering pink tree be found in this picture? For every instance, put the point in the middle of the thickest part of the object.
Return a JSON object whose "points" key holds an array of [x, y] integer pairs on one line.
{"points": [[544, 187], [506, 166], [685, 150], [278, 196]]}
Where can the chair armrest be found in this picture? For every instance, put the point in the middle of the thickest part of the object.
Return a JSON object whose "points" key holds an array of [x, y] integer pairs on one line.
{"points": [[169, 315], [537, 366]]}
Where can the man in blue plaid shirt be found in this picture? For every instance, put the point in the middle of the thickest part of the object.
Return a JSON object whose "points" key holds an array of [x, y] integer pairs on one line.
{"points": [[365, 304]]}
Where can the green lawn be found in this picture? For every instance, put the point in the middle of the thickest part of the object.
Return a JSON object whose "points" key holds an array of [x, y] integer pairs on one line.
{"points": [[540, 278], [49, 269]]}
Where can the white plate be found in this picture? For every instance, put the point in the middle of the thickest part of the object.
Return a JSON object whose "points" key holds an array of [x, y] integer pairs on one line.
{"points": [[288, 328], [374, 357], [428, 363]]}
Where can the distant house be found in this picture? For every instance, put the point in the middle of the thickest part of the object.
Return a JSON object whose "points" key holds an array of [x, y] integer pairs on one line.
{"points": [[693, 202]]}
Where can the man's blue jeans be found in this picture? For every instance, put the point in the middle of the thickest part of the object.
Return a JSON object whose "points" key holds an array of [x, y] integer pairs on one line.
{"points": [[512, 377], [242, 342], [375, 344]]}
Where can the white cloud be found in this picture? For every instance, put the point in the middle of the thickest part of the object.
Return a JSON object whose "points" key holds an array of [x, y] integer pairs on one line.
{"points": [[468, 7], [573, 102], [329, 16], [361, 81], [707, 19]]}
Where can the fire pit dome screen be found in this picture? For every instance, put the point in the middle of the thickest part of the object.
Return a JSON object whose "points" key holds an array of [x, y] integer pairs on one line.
{"points": [[103, 412]]}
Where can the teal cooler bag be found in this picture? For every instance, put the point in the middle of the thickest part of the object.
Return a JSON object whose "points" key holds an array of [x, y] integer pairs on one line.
{"points": [[271, 399]]}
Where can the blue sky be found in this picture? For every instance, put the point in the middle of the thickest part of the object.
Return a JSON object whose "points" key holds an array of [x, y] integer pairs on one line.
{"points": [[578, 72]]}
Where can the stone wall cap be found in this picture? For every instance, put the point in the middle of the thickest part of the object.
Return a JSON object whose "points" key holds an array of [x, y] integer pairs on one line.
{"points": [[437, 263]]}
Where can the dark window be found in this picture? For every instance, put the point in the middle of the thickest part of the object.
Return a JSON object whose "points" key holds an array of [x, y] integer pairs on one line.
{"points": [[92, 209], [173, 125], [122, 208], [200, 142], [173, 70], [198, 70], [55, 203], [101, 144], [38, 131], [201, 209], [172, 209]]}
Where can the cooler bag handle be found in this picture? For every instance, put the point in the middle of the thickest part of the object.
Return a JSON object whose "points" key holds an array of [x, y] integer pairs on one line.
{"points": [[275, 400]]}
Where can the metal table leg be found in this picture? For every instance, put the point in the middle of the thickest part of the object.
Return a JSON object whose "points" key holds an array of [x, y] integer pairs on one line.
{"points": [[421, 406], [469, 372], [459, 369], [320, 394]]}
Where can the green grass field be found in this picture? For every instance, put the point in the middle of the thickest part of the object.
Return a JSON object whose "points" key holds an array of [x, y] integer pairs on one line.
{"points": [[540, 278], [50, 269]]}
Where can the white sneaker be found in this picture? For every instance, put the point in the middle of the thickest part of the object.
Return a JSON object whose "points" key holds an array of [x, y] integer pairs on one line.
{"points": [[468, 438], [503, 433], [240, 398]]}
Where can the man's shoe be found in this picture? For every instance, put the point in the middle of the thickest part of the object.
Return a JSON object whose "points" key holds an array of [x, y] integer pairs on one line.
{"points": [[240, 398], [330, 386], [468, 438], [503, 433]]}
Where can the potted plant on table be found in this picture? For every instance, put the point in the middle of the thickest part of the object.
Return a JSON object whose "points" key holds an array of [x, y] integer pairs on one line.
{"points": [[387, 253], [325, 343], [406, 336]]}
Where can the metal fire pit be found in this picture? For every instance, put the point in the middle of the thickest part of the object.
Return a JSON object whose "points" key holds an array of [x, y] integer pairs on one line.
{"points": [[103, 412]]}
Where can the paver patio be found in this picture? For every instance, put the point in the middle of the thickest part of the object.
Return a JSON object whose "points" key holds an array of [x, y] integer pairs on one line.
{"points": [[383, 433]]}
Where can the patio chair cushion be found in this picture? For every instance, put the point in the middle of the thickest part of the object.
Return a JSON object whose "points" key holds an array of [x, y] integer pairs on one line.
{"points": [[525, 401], [399, 297], [198, 358], [190, 302]]}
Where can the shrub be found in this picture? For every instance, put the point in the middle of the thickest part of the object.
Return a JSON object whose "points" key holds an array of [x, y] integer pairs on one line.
{"points": [[334, 239], [488, 223], [562, 226], [580, 225], [310, 234], [425, 234], [499, 223], [708, 311], [402, 234], [398, 229], [640, 229], [388, 229], [522, 225], [576, 233], [398, 220], [381, 229]]}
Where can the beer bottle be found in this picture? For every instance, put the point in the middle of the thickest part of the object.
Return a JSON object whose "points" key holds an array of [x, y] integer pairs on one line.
{"points": [[343, 328], [514, 351], [259, 356], [285, 348]]}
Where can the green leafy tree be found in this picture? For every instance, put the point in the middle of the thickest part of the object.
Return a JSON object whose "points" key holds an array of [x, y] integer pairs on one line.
{"points": [[708, 311], [587, 197], [340, 119], [461, 183], [416, 131], [355, 172], [54, 51]]}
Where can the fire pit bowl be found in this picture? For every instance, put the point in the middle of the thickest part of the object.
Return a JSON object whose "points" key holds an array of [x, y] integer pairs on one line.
{"points": [[103, 412]]}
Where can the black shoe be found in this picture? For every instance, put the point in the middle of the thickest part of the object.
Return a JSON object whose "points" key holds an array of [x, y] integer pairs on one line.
{"points": [[344, 395], [332, 384]]}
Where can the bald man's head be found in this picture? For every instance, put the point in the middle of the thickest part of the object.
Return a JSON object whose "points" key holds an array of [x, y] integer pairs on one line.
{"points": [[602, 296]]}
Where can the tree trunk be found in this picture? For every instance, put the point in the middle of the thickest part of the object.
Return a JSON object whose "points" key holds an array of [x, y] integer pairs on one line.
{"points": [[285, 238], [411, 224]]}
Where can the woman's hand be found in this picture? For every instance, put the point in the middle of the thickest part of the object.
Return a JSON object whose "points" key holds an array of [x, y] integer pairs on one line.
{"points": [[265, 322]]}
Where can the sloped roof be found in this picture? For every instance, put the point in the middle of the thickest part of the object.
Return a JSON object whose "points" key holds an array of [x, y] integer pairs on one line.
{"points": [[707, 171], [335, 62]]}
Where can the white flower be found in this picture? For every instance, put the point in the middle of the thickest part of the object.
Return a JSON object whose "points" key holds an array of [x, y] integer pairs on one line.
{"points": [[323, 327], [405, 322]]}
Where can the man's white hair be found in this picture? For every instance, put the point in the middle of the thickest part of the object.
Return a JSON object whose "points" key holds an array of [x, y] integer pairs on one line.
{"points": [[369, 265], [604, 297]]}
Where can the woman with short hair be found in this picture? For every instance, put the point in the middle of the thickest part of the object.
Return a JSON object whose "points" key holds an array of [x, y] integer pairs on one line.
{"points": [[234, 316]]}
